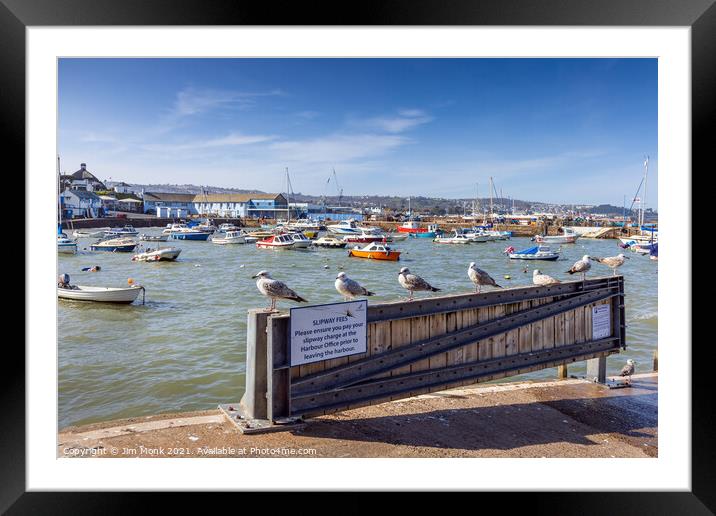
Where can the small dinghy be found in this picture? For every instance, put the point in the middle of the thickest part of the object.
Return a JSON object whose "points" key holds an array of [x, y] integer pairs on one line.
{"points": [[164, 254], [98, 294], [87, 233]]}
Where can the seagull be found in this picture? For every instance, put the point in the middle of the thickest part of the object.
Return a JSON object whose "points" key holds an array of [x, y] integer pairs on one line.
{"points": [[350, 288], [582, 266], [628, 369], [543, 279], [480, 277], [613, 262], [275, 289], [413, 282]]}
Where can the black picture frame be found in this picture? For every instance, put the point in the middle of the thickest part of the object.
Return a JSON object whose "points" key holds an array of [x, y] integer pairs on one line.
{"points": [[699, 15]]}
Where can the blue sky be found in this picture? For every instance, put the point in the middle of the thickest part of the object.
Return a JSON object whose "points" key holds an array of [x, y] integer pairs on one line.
{"points": [[554, 130]]}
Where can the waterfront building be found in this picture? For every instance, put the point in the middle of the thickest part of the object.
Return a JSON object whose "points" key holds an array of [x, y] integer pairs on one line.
{"points": [[232, 205], [80, 203], [83, 179]]}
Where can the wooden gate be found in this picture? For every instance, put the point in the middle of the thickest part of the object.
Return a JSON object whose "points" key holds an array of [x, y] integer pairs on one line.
{"points": [[426, 345]]}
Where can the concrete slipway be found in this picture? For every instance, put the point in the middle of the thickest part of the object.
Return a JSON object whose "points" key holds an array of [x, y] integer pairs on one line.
{"points": [[562, 418]]}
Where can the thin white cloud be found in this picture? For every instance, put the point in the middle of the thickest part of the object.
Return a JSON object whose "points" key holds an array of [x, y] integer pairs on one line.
{"points": [[337, 148], [193, 101], [404, 120], [230, 140]]}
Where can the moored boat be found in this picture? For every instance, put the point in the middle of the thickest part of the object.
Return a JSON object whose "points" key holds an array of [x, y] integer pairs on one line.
{"points": [[230, 237], [568, 236], [329, 241], [66, 245], [100, 294], [538, 252], [300, 241], [375, 251], [430, 232], [124, 231], [153, 238], [156, 255], [282, 241], [364, 237], [89, 233], [115, 245], [190, 234], [456, 238]]}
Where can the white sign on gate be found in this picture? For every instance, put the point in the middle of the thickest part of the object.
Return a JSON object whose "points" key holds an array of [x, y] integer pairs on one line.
{"points": [[601, 322], [324, 332]]}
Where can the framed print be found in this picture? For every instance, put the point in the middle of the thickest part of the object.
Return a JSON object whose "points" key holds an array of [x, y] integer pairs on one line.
{"points": [[460, 206]]}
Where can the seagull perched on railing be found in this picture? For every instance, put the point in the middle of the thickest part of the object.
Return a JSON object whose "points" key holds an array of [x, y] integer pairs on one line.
{"points": [[275, 289], [350, 288], [628, 369], [613, 262], [581, 266], [480, 277], [413, 282], [543, 279]]}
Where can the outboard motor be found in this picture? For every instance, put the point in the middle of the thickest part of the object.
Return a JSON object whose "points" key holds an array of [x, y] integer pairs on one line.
{"points": [[64, 280]]}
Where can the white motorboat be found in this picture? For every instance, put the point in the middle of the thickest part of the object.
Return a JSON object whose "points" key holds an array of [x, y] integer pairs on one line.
{"points": [[231, 237], [539, 252], [100, 294], [125, 231], [479, 236], [568, 236], [173, 228], [66, 245], [156, 255], [329, 241], [300, 241], [276, 242], [344, 227], [89, 233], [456, 238], [396, 237], [153, 238], [226, 227]]}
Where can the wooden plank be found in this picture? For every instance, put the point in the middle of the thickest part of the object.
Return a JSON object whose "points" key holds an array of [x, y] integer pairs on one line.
{"points": [[569, 327], [559, 330], [438, 326], [579, 324], [548, 333], [420, 330], [453, 321], [470, 317], [525, 333], [484, 347], [379, 340], [499, 342], [400, 336], [512, 342], [538, 329]]}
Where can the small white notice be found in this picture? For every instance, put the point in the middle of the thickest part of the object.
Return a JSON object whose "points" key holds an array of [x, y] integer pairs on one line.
{"points": [[601, 322], [324, 332]]}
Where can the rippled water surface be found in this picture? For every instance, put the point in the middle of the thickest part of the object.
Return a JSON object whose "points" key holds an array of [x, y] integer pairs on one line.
{"points": [[185, 348]]}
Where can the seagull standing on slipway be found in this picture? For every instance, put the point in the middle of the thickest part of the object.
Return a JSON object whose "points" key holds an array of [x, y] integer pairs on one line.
{"points": [[613, 262], [349, 288], [581, 266], [480, 277], [543, 279], [413, 282], [274, 290], [628, 370]]}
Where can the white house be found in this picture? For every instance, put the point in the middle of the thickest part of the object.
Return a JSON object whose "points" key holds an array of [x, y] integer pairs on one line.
{"points": [[80, 203]]}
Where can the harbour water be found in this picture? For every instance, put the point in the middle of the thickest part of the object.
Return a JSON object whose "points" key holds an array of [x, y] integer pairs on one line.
{"points": [[185, 348]]}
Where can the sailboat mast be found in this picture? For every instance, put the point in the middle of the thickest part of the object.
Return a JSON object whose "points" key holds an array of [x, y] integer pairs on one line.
{"points": [[492, 186], [288, 198], [646, 174]]}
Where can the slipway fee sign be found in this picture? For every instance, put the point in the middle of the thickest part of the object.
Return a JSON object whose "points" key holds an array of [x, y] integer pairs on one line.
{"points": [[324, 332]]}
